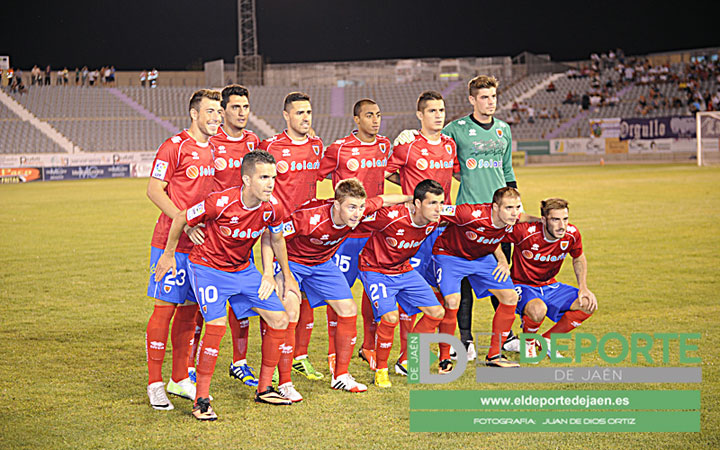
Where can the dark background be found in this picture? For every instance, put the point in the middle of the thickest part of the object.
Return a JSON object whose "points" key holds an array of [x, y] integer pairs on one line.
{"points": [[181, 34]]}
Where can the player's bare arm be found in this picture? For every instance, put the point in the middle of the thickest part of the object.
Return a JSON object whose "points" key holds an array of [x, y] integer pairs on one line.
{"points": [[167, 260], [585, 296], [394, 199], [290, 285], [527, 218], [502, 271], [267, 284], [157, 194]]}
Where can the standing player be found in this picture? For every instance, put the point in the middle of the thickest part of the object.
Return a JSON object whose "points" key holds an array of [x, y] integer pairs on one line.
{"points": [[387, 275], [314, 233], [540, 250], [362, 155], [232, 142], [221, 272], [430, 155], [298, 160], [466, 249], [182, 175]]}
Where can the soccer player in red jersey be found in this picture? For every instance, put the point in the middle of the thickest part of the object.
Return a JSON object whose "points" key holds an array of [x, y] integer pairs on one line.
{"points": [[466, 249], [387, 275], [362, 155], [220, 271], [540, 250], [298, 157], [314, 232], [429, 155], [182, 174], [232, 142]]}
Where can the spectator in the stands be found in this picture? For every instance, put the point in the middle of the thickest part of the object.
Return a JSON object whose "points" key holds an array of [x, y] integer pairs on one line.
{"points": [[544, 113], [48, 72], [550, 87]]}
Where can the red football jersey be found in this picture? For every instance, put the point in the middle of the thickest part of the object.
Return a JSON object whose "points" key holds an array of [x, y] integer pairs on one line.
{"points": [[471, 233], [187, 166], [298, 163], [421, 159], [229, 153], [231, 229], [536, 259], [350, 157], [394, 241], [312, 236]]}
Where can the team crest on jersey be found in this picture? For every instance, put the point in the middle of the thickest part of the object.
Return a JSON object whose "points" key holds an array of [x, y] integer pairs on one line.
{"points": [[196, 211], [288, 228], [448, 148], [564, 245], [160, 169], [429, 230], [382, 147], [250, 146], [316, 149], [447, 210], [266, 215], [499, 132]]}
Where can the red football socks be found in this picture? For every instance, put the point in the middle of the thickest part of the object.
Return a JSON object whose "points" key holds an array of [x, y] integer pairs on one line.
{"points": [[156, 337], [383, 342], [332, 324], [568, 322], [428, 324], [209, 349], [369, 324], [183, 329], [305, 324], [501, 325], [199, 321], [271, 346], [406, 325], [239, 330], [344, 343], [286, 357], [447, 326]]}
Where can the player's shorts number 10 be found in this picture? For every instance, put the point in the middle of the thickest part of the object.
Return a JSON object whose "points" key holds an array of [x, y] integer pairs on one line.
{"points": [[208, 294]]}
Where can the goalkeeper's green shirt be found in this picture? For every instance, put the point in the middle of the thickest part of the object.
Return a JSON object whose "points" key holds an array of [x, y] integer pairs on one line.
{"points": [[485, 158]]}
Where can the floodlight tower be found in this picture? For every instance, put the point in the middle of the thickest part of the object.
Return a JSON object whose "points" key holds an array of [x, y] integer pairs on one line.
{"points": [[248, 63]]}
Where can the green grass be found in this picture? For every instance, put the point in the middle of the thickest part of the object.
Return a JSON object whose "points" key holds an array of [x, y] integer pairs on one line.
{"points": [[73, 276]]}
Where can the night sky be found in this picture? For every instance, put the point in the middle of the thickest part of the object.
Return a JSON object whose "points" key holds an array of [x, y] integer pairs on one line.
{"points": [[181, 34]]}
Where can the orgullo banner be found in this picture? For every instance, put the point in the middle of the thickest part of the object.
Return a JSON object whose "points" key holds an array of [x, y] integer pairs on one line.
{"points": [[657, 128]]}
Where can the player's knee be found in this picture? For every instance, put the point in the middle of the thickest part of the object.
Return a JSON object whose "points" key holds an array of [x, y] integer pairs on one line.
{"points": [[437, 312], [507, 296], [391, 317], [278, 320], [453, 301], [346, 308], [536, 310]]}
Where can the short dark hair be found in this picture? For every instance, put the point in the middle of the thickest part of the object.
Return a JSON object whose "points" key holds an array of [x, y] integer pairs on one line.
{"points": [[426, 97], [427, 186], [294, 97], [201, 94], [254, 158], [553, 203], [360, 103], [233, 89], [501, 193], [481, 82], [349, 187]]}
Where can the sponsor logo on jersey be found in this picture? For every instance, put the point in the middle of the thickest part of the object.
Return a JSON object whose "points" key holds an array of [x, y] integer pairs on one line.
{"points": [[296, 166], [405, 244], [234, 220], [355, 151], [353, 164], [543, 258], [316, 241], [471, 163], [382, 147], [471, 235], [196, 211], [314, 220], [564, 245], [449, 149], [247, 234], [472, 132], [225, 231], [222, 201], [499, 132], [160, 169], [447, 210], [421, 164], [193, 172], [282, 166], [316, 149], [424, 152], [221, 149], [324, 237], [220, 164], [266, 215], [250, 146], [286, 152], [392, 242], [288, 228]]}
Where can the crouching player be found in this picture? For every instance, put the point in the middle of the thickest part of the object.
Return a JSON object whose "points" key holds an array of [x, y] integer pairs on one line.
{"points": [[387, 275], [466, 249], [540, 250], [220, 271], [314, 233]]}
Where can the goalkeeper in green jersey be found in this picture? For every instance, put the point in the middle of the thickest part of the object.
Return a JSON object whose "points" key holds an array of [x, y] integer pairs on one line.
{"points": [[484, 150]]}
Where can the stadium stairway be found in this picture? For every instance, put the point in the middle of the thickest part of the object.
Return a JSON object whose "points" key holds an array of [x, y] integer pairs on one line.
{"points": [[532, 91], [140, 109], [261, 126], [44, 127]]}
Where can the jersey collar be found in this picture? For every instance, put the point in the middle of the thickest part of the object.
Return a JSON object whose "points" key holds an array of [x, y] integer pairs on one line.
{"points": [[294, 142]]}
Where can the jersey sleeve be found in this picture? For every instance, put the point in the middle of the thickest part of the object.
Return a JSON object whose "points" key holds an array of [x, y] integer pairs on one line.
{"points": [[398, 158], [276, 224], [577, 249], [379, 218], [204, 210], [329, 161], [166, 161], [516, 235], [456, 214], [372, 205], [449, 130], [507, 159], [264, 145]]}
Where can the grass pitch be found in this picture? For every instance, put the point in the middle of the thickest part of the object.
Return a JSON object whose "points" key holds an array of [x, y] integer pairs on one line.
{"points": [[73, 276]]}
